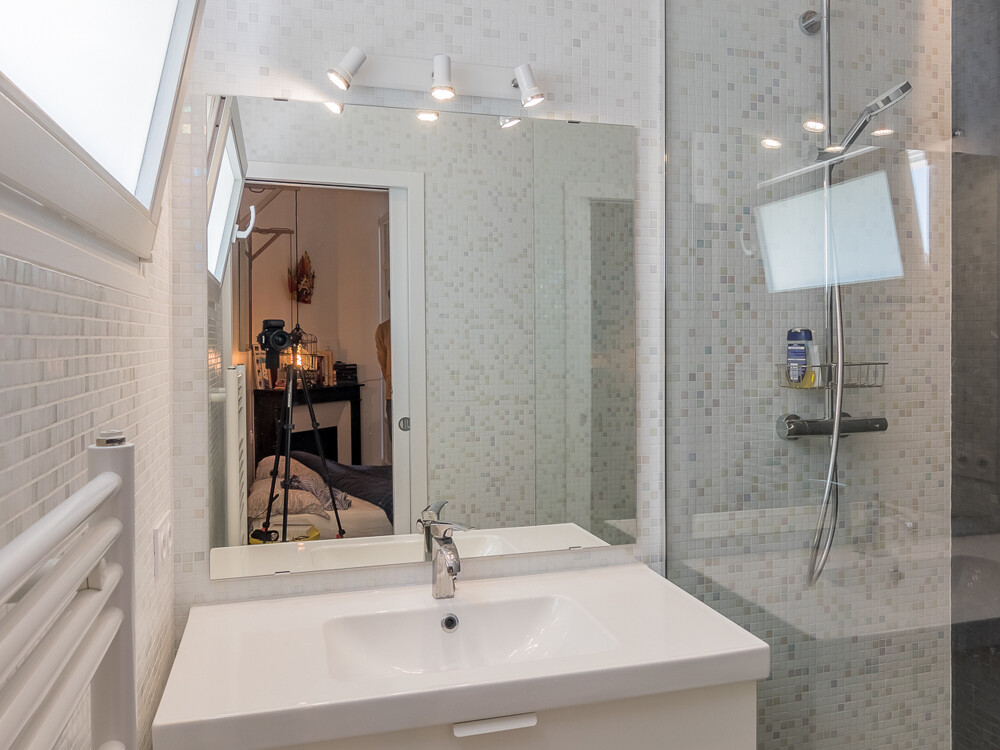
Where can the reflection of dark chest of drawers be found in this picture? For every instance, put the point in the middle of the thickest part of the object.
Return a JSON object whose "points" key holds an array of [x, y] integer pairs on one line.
{"points": [[267, 412]]}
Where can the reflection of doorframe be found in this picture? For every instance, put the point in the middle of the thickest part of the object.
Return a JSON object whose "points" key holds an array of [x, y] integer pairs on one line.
{"points": [[409, 357], [578, 198]]}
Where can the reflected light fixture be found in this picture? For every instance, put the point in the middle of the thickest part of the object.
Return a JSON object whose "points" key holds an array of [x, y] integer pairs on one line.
{"points": [[833, 149], [813, 124], [770, 143], [342, 74], [335, 107], [441, 86], [883, 131], [508, 122], [427, 116], [524, 80]]}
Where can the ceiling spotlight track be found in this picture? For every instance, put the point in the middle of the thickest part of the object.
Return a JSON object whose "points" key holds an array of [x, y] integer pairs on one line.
{"points": [[449, 78]]}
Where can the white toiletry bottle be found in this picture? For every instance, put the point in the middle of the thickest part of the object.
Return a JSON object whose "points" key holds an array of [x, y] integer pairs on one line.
{"points": [[814, 363]]}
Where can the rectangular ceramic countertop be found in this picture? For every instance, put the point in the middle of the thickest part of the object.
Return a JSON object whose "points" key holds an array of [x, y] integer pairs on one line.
{"points": [[257, 674]]}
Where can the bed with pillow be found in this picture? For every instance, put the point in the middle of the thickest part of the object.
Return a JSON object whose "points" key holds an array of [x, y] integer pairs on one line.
{"points": [[370, 483], [310, 503]]}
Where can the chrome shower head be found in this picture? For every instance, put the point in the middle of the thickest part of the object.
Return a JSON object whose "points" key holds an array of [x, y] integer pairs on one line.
{"points": [[881, 102]]}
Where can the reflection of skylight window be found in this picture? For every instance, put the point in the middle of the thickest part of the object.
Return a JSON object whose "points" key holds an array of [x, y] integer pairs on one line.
{"points": [[222, 214], [920, 175], [862, 241]]}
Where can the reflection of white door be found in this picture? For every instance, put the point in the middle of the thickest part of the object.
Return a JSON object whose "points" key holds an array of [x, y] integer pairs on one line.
{"points": [[384, 261], [405, 247]]}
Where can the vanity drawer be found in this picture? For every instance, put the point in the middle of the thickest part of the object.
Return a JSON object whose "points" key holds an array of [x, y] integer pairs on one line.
{"points": [[715, 718]]}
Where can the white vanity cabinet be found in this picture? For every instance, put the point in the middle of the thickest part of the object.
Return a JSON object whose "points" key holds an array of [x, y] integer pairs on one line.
{"points": [[613, 657], [716, 718]]}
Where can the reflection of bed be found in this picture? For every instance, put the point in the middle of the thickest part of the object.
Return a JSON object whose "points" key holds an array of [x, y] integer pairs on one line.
{"points": [[370, 483], [310, 504], [361, 519]]}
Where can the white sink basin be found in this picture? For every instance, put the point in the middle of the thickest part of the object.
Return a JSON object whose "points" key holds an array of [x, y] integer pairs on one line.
{"points": [[287, 672], [483, 634]]}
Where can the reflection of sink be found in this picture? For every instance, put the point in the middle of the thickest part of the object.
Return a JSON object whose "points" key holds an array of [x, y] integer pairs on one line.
{"points": [[357, 552], [413, 642], [377, 661], [392, 550]]}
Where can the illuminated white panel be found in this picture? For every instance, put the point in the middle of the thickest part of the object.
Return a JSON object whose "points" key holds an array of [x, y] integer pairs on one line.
{"points": [[862, 241], [94, 68]]}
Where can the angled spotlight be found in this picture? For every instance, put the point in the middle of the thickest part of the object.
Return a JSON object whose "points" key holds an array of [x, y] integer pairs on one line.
{"points": [[524, 80], [508, 122], [342, 74], [336, 107], [427, 116], [441, 87]]}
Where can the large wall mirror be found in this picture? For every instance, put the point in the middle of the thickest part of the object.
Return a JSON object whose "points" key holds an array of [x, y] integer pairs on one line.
{"points": [[466, 295]]}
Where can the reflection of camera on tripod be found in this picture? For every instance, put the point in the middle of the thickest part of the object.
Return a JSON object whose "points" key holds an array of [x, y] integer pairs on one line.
{"points": [[273, 339]]}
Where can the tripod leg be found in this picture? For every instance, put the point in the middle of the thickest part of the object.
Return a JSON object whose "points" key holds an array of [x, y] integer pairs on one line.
{"points": [[263, 534], [290, 401], [322, 456]]}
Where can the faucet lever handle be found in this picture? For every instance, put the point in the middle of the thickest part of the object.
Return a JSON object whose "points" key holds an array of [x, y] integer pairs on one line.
{"points": [[433, 511], [442, 530]]}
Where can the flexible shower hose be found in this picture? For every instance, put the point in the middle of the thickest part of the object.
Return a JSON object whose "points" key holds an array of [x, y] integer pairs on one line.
{"points": [[831, 495]]}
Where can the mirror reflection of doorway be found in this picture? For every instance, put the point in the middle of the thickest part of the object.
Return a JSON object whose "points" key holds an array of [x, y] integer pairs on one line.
{"points": [[320, 260]]}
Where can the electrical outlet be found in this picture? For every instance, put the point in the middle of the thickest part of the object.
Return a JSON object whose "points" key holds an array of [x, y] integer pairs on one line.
{"points": [[163, 544]]}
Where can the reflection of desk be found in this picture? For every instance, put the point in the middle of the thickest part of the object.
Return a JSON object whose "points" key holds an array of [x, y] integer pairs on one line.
{"points": [[267, 411]]}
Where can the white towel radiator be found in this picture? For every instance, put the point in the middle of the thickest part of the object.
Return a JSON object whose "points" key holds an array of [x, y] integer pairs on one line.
{"points": [[68, 583]]}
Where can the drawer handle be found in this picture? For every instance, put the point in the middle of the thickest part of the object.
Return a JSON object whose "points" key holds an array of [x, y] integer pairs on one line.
{"points": [[496, 724]]}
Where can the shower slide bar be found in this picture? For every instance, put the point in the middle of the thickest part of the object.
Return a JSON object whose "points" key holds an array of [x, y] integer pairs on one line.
{"points": [[67, 582]]}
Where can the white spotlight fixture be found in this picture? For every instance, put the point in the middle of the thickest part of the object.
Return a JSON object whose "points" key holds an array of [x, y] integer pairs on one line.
{"points": [[335, 107], [813, 124], [524, 80], [835, 149], [441, 87], [427, 116], [883, 131], [770, 143], [508, 122], [342, 74]]}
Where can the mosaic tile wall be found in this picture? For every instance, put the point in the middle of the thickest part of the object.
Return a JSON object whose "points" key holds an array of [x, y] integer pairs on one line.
{"points": [[862, 659], [596, 63], [78, 358]]}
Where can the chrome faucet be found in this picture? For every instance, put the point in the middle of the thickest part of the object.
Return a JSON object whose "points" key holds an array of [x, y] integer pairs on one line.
{"points": [[427, 516], [446, 563]]}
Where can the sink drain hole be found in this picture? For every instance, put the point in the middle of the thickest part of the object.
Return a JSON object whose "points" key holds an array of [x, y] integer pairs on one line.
{"points": [[449, 623]]}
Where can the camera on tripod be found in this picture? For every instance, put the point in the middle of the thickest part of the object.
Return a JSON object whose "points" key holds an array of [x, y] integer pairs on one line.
{"points": [[274, 339]]}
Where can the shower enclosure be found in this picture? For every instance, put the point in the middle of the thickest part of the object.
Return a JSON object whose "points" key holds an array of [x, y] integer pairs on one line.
{"points": [[865, 657]]}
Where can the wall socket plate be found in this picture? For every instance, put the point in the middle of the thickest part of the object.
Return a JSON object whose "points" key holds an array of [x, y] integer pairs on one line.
{"points": [[163, 544]]}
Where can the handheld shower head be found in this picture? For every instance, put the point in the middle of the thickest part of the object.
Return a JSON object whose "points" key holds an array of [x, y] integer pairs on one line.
{"points": [[881, 102]]}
